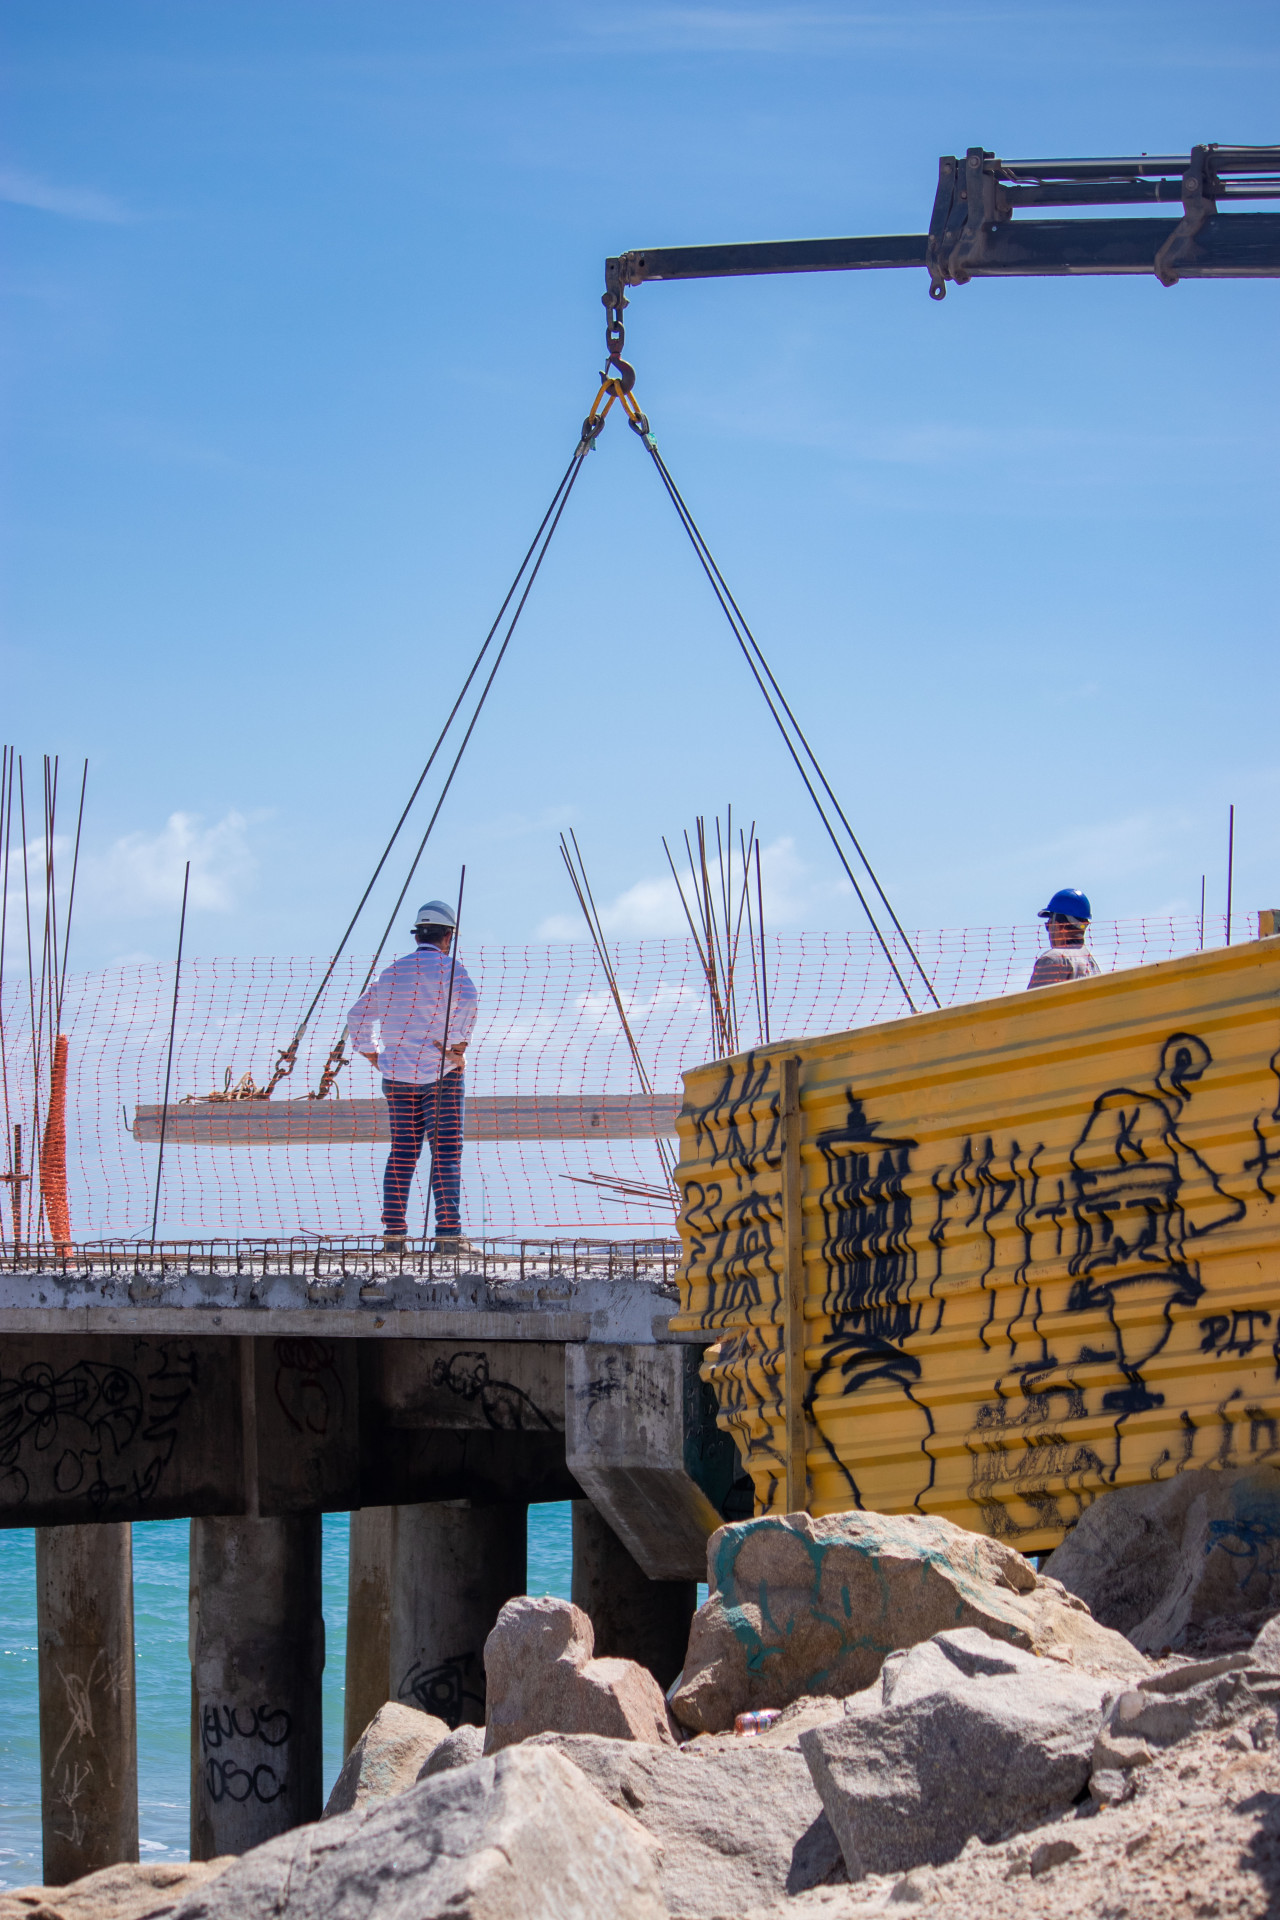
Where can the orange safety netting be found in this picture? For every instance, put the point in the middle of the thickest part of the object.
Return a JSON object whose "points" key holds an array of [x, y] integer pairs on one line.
{"points": [[547, 1026]]}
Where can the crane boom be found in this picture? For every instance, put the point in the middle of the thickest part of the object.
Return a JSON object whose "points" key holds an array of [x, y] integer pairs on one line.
{"points": [[973, 232]]}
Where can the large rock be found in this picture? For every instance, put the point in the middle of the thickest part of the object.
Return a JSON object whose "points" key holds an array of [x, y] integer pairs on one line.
{"points": [[962, 1736], [803, 1606], [522, 1836], [540, 1677], [739, 1824], [387, 1758], [463, 1745], [134, 1890], [1190, 1563], [1200, 1696]]}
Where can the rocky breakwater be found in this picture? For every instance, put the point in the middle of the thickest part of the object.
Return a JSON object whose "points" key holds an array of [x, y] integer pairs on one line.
{"points": [[949, 1729]]}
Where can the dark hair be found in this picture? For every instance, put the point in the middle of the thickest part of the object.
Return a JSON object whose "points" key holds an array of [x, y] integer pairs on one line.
{"points": [[430, 936]]}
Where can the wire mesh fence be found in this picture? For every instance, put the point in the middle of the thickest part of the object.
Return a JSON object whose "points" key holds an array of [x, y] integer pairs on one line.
{"points": [[548, 1026]]}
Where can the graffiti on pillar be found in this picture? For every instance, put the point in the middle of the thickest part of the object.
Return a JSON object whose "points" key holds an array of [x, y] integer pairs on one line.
{"points": [[453, 1690], [308, 1387], [93, 1430], [503, 1405], [1014, 1298], [243, 1778]]}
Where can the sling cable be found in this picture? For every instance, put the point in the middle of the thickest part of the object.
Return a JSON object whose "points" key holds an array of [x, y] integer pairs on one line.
{"points": [[617, 382]]}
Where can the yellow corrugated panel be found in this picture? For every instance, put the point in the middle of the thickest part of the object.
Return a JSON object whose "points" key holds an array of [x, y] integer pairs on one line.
{"points": [[1041, 1245]]}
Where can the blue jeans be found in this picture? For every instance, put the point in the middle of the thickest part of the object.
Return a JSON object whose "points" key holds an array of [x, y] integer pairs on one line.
{"points": [[414, 1120]]}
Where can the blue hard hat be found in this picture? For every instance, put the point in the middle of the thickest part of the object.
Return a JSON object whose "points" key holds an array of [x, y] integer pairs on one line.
{"points": [[1068, 900]]}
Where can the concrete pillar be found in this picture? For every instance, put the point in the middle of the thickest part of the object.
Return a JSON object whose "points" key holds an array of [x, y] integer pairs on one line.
{"points": [[88, 1723], [257, 1654], [635, 1618], [641, 1441], [452, 1568], [368, 1683]]}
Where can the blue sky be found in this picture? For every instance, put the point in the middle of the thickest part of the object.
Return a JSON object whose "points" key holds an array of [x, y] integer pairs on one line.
{"points": [[302, 315]]}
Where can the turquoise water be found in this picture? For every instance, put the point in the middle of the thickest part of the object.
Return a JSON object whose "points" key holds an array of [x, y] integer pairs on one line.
{"points": [[164, 1680]]}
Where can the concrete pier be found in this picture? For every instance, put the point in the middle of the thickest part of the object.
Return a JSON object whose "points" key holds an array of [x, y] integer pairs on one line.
{"points": [[635, 1618], [88, 1724], [368, 1675], [257, 1655], [452, 1568]]}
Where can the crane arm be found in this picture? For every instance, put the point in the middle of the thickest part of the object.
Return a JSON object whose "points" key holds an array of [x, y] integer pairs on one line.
{"points": [[973, 233]]}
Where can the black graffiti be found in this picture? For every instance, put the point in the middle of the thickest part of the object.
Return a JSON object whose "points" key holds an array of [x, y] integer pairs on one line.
{"points": [[734, 1230], [226, 1780], [271, 1725], [308, 1388], [870, 1266], [504, 1406], [446, 1689], [1233, 1332], [1133, 1238], [110, 1431], [1266, 1131]]}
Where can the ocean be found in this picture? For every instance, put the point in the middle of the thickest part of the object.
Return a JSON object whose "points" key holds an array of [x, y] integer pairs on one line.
{"points": [[164, 1677]]}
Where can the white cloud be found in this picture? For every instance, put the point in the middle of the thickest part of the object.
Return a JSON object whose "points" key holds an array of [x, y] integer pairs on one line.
{"points": [[71, 203], [141, 873]]}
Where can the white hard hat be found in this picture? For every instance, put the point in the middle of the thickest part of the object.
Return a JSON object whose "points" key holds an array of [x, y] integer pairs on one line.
{"points": [[436, 913]]}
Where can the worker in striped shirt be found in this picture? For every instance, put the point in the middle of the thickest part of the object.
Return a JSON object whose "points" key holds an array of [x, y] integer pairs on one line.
{"points": [[1067, 917], [423, 1029]]}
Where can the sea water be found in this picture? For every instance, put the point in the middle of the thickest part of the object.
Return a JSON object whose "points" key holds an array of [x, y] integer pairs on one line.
{"points": [[164, 1676]]}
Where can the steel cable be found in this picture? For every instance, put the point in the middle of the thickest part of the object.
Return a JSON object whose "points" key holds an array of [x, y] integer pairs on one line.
{"points": [[552, 515], [753, 653]]}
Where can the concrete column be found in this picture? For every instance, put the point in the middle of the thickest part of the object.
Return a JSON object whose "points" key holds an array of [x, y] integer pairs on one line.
{"points": [[257, 1654], [88, 1723], [368, 1684], [635, 1618], [452, 1568], [641, 1441]]}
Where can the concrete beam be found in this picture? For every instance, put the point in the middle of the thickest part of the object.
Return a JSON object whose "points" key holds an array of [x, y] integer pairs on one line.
{"points": [[88, 1723], [635, 1618], [327, 1123], [453, 1567], [257, 1655], [642, 1443]]}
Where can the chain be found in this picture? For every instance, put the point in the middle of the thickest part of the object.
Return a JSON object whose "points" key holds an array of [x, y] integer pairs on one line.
{"points": [[617, 377]]}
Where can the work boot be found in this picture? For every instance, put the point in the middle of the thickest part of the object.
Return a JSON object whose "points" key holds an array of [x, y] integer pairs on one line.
{"points": [[451, 1243], [393, 1242]]}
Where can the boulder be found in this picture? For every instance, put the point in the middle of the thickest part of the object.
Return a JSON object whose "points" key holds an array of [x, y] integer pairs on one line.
{"points": [[1201, 1696], [1266, 1646], [962, 1736], [521, 1836], [1190, 1563], [387, 1758], [134, 1890], [458, 1749], [739, 1824], [540, 1677], [812, 1606]]}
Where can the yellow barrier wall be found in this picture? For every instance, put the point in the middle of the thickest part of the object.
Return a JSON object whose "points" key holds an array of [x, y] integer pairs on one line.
{"points": [[1041, 1246]]}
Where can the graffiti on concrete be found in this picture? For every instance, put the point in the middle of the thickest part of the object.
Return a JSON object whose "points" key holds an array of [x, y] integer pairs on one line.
{"points": [[453, 1690], [308, 1387], [504, 1406], [93, 1430]]}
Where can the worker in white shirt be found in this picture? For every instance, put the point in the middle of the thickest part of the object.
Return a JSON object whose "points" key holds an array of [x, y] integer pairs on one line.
{"points": [[1067, 916], [422, 1070]]}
